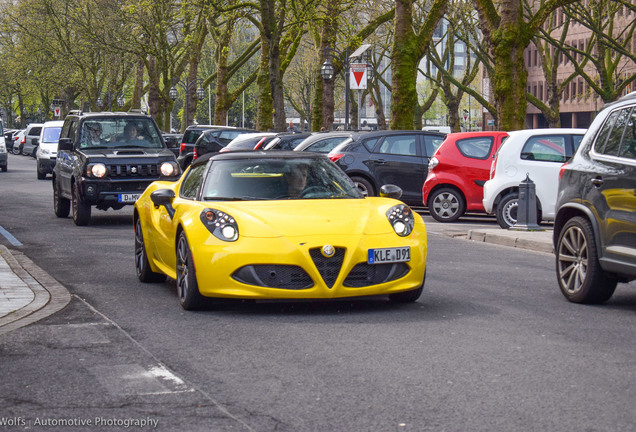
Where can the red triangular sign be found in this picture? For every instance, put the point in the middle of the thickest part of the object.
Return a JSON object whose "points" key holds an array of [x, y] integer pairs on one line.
{"points": [[358, 76]]}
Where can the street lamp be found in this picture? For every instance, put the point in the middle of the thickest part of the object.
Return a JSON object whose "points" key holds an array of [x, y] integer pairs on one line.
{"points": [[327, 72], [188, 86], [110, 96]]}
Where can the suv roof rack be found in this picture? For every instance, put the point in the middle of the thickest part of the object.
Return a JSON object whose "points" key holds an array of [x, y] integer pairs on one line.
{"points": [[75, 112]]}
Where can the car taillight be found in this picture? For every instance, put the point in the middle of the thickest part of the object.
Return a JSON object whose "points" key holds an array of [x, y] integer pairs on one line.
{"points": [[182, 148], [23, 140], [562, 170], [493, 166], [432, 163], [335, 156], [194, 154]]}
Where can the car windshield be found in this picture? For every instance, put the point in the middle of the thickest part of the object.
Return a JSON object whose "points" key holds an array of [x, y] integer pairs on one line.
{"points": [[51, 134], [271, 179], [119, 133]]}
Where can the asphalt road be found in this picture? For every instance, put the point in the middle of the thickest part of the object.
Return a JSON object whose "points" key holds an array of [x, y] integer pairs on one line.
{"points": [[490, 346]]}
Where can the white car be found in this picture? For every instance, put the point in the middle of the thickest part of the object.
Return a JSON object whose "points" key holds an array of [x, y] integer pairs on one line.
{"points": [[47, 148], [538, 153], [3, 153]]}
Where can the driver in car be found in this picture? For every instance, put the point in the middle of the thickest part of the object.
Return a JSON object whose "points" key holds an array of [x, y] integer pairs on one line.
{"points": [[296, 180]]}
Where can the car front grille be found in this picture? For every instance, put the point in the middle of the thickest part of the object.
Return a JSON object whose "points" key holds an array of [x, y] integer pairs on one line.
{"points": [[328, 267], [364, 274], [274, 276], [132, 170]]}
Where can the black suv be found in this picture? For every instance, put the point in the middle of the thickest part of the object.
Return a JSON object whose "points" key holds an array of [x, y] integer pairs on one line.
{"points": [[373, 159], [107, 160], [595, 226]]}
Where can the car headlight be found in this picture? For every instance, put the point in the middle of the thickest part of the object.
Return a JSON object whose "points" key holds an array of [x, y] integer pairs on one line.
{"points": [[401, 219], [97, 170], [220, 224], [169, 169]]}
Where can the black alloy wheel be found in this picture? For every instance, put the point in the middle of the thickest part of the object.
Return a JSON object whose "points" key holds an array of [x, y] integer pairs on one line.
{"points": [[81, 211], [142, 266], [187, 286], [579, 273], [61, 206]]}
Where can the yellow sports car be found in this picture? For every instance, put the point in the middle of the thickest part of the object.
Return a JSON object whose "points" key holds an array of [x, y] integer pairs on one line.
{"points": [[277, 225]]}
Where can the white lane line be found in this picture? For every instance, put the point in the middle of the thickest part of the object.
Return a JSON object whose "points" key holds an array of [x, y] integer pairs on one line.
{"points": [[14, 241]]}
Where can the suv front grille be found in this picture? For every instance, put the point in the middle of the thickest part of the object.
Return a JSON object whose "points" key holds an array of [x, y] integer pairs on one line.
{"points": [[132, 170]]}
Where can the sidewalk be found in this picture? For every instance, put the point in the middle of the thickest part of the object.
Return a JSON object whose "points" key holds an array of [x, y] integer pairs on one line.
{"points": [[28, 293]]}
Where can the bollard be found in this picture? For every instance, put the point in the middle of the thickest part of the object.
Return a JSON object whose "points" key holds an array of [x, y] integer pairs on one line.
{"points": [[527, 207]]}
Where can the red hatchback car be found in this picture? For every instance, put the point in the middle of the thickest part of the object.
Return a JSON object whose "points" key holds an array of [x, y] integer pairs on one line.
{"points": [[457, 172]]}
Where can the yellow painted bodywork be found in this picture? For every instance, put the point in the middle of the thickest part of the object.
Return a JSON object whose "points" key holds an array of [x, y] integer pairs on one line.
{"points": [[278, 232]]}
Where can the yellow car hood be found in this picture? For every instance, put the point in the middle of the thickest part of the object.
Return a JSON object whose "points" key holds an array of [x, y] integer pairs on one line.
{"points": [[292, 218]]}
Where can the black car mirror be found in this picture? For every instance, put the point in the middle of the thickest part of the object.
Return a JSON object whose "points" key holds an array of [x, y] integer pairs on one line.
{"points": [[36, 141], [164, 197], [391, 191], [65, 144]]}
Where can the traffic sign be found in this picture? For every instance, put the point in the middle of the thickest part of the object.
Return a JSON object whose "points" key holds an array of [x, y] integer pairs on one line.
{"points": [[358, 76]]}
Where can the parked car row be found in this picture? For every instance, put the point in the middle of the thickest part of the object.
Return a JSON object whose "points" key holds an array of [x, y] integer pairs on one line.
{"points": [[481, 172]]}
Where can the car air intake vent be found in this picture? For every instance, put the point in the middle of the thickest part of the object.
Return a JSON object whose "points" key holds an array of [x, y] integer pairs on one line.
{"points": [[132, 170], [129, 152], [364, 274], [329, 268], [274, 276]]}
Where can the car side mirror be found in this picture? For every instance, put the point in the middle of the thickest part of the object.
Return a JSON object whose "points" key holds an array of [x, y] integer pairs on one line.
{"points": [[36, 141], [391, 191], [163, 197], [65, 144]]}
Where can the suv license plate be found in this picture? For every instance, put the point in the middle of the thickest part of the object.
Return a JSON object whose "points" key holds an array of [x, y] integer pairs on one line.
{"points": [[128, 198], [389, 255]]}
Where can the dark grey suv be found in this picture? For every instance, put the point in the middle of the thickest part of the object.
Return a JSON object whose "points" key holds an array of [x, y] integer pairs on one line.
{"points": [[595, 225]]}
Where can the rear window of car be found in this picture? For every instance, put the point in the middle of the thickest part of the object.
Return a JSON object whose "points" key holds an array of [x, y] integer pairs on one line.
{"points": [[35, 131], [191, 136], [475, 148], [546, 148]]}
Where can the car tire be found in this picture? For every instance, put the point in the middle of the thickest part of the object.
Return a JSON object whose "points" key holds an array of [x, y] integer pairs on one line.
{"points": [[579, 273], [507, 210], [363, 186], [142, 266], [187, 286], [41, 175], [16, 150], [34, 154], [4, 168], [61, 206], [81, 211], [446, 205]]}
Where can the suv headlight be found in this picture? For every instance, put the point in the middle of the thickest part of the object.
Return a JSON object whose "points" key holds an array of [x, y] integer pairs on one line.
{"points": [[401, 219], [220, 224], [97, 170], [169, 169]]}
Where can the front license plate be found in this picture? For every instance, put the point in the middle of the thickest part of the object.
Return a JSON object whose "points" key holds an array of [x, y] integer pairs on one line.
{"points": [[389, 255], [128, 198]]}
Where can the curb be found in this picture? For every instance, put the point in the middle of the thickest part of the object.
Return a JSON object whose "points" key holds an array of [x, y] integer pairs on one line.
{"points": [[49, 295], [511, 241]]}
